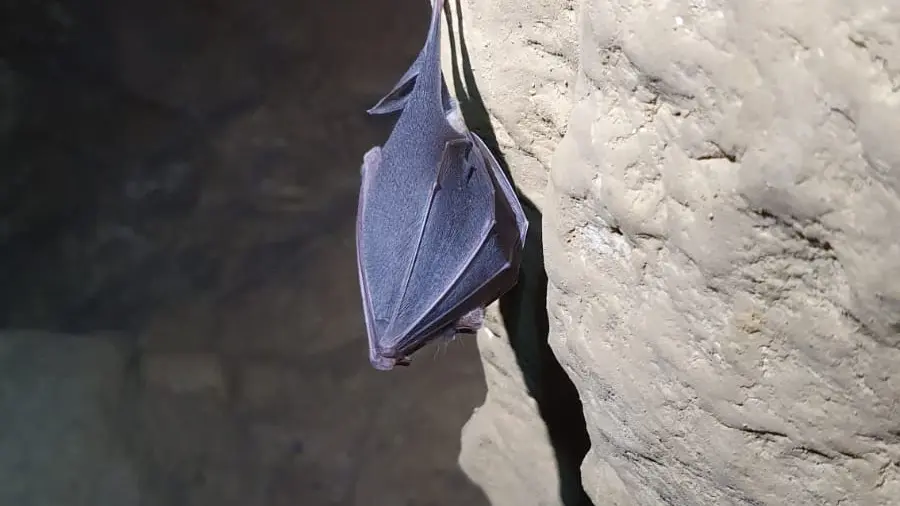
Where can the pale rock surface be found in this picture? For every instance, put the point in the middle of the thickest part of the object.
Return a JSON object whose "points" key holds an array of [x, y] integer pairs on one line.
{"points": [[721, 238], [522, 56], [505, 446], [723, 249]]}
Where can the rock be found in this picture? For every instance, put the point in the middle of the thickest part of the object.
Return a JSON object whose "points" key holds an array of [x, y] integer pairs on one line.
{"points": [[63, 438], [185, 373], [8, 100], [720, 252], [719, 243], [505, 446], [511, 446], [193, 449], [522, 57]]}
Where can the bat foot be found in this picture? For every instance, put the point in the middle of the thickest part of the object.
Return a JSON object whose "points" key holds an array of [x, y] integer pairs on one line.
{"points": [[471, 322], [383, 363]]}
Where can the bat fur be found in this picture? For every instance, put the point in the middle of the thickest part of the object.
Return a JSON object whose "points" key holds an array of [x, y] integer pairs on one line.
{"points": [[439, 227]]}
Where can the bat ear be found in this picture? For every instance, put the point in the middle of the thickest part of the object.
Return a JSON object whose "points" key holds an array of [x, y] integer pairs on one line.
{"points": [[396, 99], [471, 322]]}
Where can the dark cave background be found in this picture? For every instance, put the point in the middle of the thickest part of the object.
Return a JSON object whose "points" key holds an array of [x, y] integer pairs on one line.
{"points": [[178, 187]]}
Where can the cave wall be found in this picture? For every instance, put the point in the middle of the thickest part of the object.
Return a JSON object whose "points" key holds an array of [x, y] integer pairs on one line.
{"points": [[720, 190], [708, 312], [511, 70]]}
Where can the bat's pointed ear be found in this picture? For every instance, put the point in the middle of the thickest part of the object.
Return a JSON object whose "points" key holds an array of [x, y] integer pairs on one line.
{"points": [[396, 99]]}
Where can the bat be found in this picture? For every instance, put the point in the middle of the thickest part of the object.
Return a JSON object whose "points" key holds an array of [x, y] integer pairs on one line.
{"points": [[439, 228]]}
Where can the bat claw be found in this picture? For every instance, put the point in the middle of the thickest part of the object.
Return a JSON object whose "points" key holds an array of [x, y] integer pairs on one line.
{"points": [[471, 322], [383, 363]]}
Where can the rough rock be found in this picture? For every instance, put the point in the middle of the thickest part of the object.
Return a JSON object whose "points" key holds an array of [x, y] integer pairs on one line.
{"points": [[523, 58], [723, 251], [720, 238], [494, 451], [516, 64]]}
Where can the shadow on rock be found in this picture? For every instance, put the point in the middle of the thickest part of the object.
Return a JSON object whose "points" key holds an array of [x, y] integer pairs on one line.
{"points": [[524, 308]]}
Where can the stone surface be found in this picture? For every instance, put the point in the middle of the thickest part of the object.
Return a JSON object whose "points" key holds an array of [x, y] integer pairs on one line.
{"points": [[722, 188], [185, 373], [505, 445], [61, 439], [714, 189], [723, 253], [523, 58], [510, 66]]}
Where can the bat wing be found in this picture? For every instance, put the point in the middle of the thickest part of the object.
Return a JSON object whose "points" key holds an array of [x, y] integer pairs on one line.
{"points": [[507, 193], [467, 255], [463, 254], [371, 164], [399, 183], [439, 229]]}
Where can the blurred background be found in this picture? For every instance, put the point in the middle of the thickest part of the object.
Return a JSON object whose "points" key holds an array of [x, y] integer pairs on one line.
{"points": [[178, 287]]}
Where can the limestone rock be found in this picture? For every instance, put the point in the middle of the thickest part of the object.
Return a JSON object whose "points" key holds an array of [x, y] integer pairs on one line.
{"points": [[721, 241], [724, 255], [515, 60], [522, 56], [505, 446]]}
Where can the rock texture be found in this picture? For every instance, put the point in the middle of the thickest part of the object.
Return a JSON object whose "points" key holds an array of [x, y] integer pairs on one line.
{"points": [[505, 445], [511, 69], [721, 239], [714, 192], [724, 253]]}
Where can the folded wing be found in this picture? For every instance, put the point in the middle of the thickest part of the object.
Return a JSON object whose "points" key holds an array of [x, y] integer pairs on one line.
{"points": [[462, 252]]}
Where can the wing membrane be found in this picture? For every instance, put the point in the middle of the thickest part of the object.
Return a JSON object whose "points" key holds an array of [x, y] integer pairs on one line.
{"points": [[371, 163], [461, 251], [439, 227], [506, 188]]}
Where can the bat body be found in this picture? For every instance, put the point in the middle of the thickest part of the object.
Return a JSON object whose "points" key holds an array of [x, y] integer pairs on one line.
{"points": [[439, 227]]}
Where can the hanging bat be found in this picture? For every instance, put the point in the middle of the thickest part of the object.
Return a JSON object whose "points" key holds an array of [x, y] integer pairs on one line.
{"points": [[439, 230]]}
